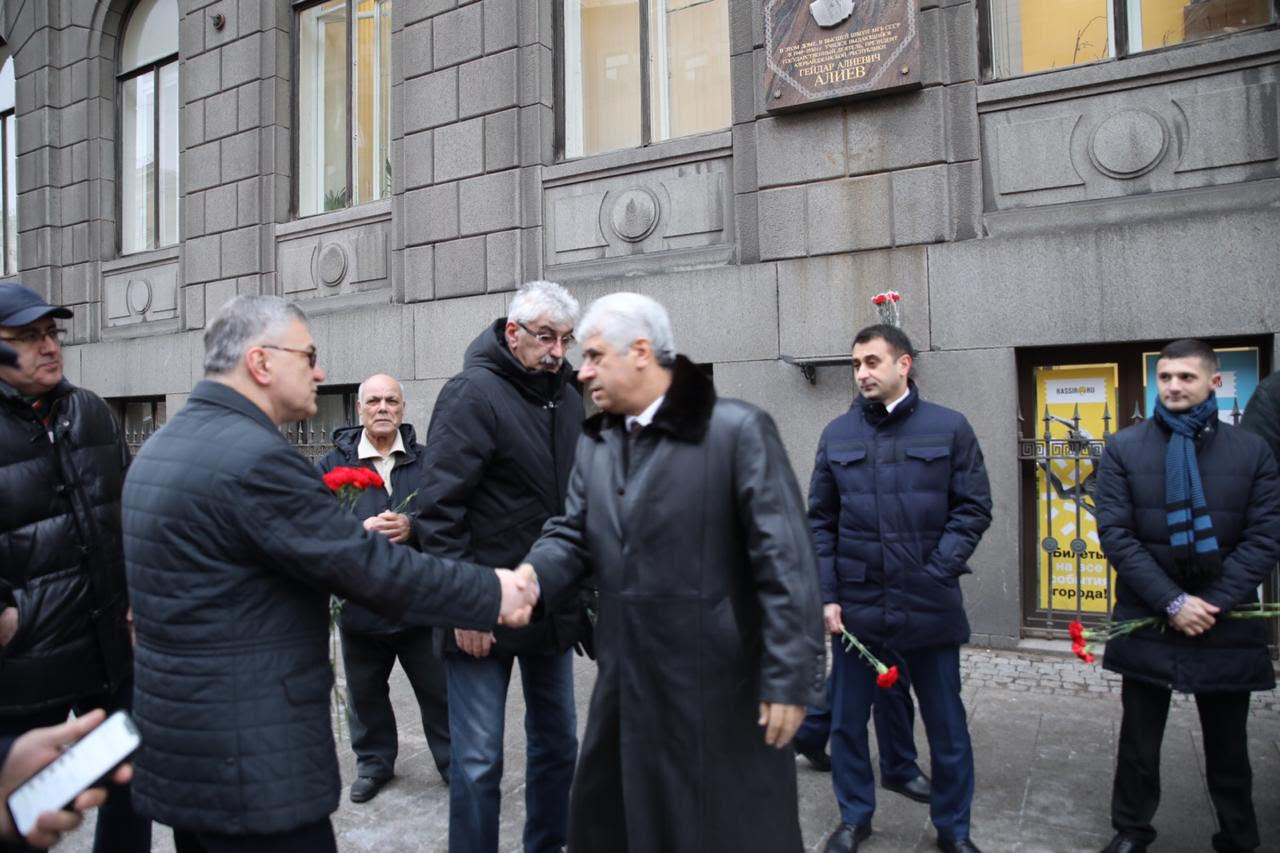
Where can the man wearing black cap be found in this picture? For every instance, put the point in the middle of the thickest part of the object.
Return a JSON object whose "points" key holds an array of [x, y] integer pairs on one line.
{"points": [[64, 631]]}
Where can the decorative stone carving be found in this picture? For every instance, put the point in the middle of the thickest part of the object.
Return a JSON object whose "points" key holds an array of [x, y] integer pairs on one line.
{"points": [[330, 264], [1168, 135], [634, 214], [685, 207], [1128, 143], [140, 296]]}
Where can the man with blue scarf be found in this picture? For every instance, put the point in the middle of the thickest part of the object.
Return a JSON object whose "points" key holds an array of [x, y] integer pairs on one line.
{"points": [[1189, 515]]}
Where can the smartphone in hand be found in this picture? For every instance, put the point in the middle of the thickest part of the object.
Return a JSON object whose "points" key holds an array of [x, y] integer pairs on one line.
{"points": [[83, 763]]}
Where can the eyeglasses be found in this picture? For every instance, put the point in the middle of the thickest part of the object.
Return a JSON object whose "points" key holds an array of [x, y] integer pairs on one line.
{"points": [[311, 354], [548, 339], [32, 337]]}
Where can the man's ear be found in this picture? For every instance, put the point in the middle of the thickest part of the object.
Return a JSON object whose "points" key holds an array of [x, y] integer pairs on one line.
{"points": [[255, 360], [644, 352]]}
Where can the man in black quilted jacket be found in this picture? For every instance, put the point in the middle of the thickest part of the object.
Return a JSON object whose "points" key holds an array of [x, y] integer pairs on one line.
{"points": [[371, 643], [233, 545], [64, 634]]}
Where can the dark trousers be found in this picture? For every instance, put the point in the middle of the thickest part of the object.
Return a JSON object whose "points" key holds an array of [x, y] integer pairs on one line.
{"points": [[119, 829], [894, 716], [935, 677], [367, 660], [312, 838], [1136, 792]]}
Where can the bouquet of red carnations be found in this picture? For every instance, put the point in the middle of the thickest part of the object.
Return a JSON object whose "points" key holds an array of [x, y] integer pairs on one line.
{"points": [[1082, 638]]}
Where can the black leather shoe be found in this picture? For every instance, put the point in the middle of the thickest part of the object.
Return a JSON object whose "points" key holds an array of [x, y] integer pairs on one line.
{"points": [[847, 837], [365, 788], [818, 759], [917, 789], [959, 845], [1124, 844]]}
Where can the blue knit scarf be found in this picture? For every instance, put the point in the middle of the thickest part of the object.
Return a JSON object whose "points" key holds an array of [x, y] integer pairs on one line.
{"points": [[1195, 548]]}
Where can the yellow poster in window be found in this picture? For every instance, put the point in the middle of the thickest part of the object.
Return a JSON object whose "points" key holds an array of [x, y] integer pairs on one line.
{"points": [[1075, 408]]}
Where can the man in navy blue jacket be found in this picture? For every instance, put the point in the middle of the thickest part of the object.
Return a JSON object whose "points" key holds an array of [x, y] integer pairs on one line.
{"points": [[897, 504], [370, 642]]}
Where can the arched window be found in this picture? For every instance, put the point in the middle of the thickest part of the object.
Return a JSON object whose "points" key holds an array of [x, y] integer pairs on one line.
{"points": [[149, 127], [9, 173]]}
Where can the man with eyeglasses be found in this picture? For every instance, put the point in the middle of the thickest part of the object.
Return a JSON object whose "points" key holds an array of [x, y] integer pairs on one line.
{"points": [[499, 450], [64, 623]]}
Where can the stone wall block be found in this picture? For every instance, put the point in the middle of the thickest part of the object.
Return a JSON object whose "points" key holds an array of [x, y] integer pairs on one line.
{"points": [[489, 203], [965, 191], [458, 35], [240, 156], [460, 268], [419, 273], [921, 207], [443, 329], [741, 27], [742, 87], [191, 29], [502, 261], [431, 214], [808, 146], [849, 214], [221, 114], [421, 9], [746, 220], [782, 222], [243, 60], [502, 141], [193, 301], [431, 100], [530, 201], [489, 84], [200, 76], [897, 132], [419, 159], [536, 22], [962, 122], [415, 48], [458, 150], [201, 259], [501, 24], [744, 158], [220, 208], [537, 135], [962, 42], [536, 72], [531, 257], [192, 207], [250, 105], [240, 252]]}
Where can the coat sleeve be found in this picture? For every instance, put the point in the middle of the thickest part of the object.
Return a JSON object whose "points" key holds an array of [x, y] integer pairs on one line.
{"points": [[1262, 416], [781, 555], [968, 506], [1117, 529], [560, 555], [283, 508], [460, 443], [824, 520], [1258, 550]]}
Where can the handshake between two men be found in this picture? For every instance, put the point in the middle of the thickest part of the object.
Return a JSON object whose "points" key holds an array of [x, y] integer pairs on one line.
{"points": [[520, 592]]}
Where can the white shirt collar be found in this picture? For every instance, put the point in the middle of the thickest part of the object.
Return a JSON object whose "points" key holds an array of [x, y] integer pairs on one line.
{"points": [[646, 417], [366, 450], [889, 407]]}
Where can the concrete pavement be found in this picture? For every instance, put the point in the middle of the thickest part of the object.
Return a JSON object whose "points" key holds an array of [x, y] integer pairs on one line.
{"points": [[1044, 729]]}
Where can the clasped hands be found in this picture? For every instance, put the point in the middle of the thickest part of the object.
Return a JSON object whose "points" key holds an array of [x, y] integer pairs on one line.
{"points": [[520, 593], [1195, 617]]}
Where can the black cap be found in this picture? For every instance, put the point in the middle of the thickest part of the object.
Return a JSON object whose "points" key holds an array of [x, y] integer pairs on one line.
{"points": [[8, 357], [21, 305]]}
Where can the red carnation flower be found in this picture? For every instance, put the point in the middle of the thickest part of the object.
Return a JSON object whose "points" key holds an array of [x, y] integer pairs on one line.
{"points": [[888, 678], [1076, 630], [879, 299]]}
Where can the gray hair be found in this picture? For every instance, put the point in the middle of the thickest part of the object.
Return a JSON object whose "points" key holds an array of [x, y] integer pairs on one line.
{"points": [[360, 389], [543, 298], [241, 323], [623, 318]]}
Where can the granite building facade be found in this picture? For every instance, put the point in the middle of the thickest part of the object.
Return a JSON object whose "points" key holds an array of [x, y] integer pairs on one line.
{"points": [[399, 167]]}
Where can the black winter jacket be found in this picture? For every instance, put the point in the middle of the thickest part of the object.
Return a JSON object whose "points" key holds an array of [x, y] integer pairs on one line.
{"points": [[233, 545], [897, 508], [61, 561], [1242, 490], [1263, 413], [498, 454], [406, 477]]}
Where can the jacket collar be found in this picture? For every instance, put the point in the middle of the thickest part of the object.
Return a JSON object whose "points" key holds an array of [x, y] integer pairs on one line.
{"points": [[685, 413], [875, 414], [490, 352], [347, 440], [215, 393]]}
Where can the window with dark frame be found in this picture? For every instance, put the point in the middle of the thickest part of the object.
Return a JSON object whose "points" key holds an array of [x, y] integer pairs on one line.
{"points": [[9, 172], [343, 104], [1030, 36], [636, 72], [148, 98]]}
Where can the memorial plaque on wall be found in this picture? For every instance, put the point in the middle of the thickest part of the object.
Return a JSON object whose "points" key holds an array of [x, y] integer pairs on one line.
{"points": [[818, 51]]}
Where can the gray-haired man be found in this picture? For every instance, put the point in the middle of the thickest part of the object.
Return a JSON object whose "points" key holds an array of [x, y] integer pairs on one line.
{"points": [[498, 451], [233, 545], [709, 635]]}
